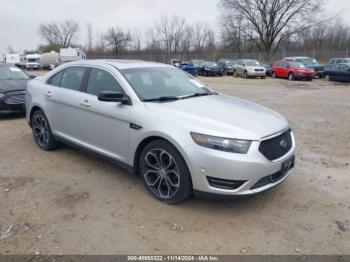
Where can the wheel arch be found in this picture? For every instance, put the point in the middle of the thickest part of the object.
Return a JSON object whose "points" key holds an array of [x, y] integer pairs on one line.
{"points": [[147, 140], [32, 111]]}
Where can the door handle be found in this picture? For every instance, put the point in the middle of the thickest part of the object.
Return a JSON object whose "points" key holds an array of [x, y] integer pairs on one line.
{"points": [[85, 103], [48, 94]]}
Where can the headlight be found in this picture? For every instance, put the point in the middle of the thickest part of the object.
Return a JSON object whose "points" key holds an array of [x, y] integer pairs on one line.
{"points": [[222, 144], [2, 95]]}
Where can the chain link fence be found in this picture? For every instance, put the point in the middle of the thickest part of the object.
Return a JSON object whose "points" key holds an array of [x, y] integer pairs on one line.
{"points": [[321, 55]]}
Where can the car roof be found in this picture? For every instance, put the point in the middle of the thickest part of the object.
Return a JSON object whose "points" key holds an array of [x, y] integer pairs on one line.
{"points": [[120, 63]]}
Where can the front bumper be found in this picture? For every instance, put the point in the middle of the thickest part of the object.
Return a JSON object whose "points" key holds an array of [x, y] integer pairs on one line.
{"points": [[257, 73], [12, 103], [305, 75], [213, 73], [251, 169]]}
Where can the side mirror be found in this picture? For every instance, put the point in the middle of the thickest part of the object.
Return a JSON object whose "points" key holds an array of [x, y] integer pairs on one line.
{"points": [[108, 96]]}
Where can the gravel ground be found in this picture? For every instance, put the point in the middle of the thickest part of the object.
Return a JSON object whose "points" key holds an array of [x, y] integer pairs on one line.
{"points": [[71, 203]]}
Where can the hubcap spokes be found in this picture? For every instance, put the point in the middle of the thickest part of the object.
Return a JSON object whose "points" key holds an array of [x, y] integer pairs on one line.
{"points": [[41, 130], [161, 173]]}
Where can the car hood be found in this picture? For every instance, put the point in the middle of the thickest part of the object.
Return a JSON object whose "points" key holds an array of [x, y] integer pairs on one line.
{"points": [[12, 85], [213, 67], [224, 116]]}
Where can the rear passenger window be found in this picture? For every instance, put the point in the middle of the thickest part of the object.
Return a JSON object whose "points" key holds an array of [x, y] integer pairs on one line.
{"points": [[72, 78], [100, 80], [56, 79]]}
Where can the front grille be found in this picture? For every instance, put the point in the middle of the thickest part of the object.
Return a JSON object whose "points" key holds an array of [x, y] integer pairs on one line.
{"points": [[276, 147], [269, 180], [224, 183], [15, 99], [259, 70]]}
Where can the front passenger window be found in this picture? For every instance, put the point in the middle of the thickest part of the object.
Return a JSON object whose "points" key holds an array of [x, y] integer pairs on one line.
{"points": [[100, 80]]}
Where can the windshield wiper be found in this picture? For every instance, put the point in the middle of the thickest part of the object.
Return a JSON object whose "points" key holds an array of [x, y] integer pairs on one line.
{"points": [[199, 94], [162, 99]]}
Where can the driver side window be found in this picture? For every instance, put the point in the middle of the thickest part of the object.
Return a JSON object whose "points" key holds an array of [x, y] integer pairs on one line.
{"points": [[100, 80]]}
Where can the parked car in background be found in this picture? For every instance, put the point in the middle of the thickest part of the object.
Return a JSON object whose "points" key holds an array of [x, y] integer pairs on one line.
{"points": [[337, 72], [13, 82], [175, 62], [309, 63], [32, 61], [227, 65], [198, 64], [334, 61], [71, 54], [211, 69], [184, 65], [158, 121], [188, 67], [49, 60], [292, 71], [249, 68], [268, 69]]}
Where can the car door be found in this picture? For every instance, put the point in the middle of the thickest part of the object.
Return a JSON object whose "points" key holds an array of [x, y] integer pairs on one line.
{"points": [[336, 72], [343, 72], [104, 126], [63, 95], [284, 69]]}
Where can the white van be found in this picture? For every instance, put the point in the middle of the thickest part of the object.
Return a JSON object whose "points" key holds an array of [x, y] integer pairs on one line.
{"points": [[71, 54], [32, 61]]}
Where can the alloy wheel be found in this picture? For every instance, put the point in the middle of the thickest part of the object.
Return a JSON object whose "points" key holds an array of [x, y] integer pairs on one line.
{"points": [[41, 130], [161, 173]]}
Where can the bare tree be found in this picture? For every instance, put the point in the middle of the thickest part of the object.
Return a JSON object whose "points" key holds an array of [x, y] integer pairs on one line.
{"points": [[118, 39], [200, 35], [136, 39], [170, 32], [101, 44], [187, 40], [152, 40], [268, 23], [62, 34], [90, 38]]}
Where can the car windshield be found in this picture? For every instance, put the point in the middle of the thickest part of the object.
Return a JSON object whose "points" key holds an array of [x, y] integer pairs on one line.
{"points": [[298, 65], [198, 62], [10, 73], [211, 64], [157, 83], [307, 61], [252, 63]]}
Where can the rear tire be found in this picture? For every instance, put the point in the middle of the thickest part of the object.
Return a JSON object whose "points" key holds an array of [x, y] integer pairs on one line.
{"points": [[327, 78], [42, 132], [235, 73], [291, 77], [165, 172]]}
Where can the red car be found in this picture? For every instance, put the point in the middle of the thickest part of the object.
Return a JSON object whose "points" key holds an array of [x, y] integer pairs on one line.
{"points": [[292, 71]]}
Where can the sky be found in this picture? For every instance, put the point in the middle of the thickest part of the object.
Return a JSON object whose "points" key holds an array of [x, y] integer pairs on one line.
{"points": [[19, 19]]}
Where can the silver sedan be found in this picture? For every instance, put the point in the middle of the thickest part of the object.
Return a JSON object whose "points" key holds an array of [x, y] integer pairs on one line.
{"points": [[162, 123]]}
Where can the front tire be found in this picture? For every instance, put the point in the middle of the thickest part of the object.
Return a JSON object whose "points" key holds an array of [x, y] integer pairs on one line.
{"points": [[165, 172], [245, 74], [327, 78], [274, 75], [291, 77], [42, 132]]}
